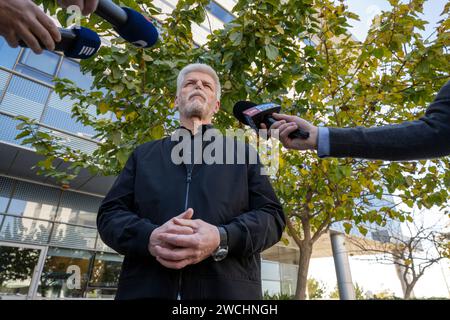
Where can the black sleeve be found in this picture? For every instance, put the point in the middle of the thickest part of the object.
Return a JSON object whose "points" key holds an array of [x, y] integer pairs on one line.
{"points": [[428, 137], [262, 226], [119, 226]]}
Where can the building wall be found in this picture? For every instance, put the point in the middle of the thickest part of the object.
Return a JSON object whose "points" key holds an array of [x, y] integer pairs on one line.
{"points": [[39, 219]]}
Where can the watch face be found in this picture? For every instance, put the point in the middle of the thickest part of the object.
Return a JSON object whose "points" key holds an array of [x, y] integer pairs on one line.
{"points": [[220, 254]]}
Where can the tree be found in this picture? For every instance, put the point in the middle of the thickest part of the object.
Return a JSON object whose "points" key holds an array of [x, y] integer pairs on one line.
{"points": [[316, 289], [413, 253], [359, 293], [17, 264], [389, 77]]}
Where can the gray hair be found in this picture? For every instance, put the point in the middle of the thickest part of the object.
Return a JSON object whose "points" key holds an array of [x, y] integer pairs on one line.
{"points": [[198, 67]]}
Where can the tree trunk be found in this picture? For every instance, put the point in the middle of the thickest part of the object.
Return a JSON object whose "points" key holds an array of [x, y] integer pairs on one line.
{"points": [[409, 288], [303, 267], [408, 291]]}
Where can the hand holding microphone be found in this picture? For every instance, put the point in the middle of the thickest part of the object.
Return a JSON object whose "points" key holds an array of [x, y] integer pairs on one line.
{"points": [[77, 43], [24, 20], [294, 132], [288, 124]]}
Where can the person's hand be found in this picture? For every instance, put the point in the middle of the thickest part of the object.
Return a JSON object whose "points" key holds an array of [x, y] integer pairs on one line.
{"points": [[189, 248], [24, 20], [86, 6], [156, 241], [287, 124]]}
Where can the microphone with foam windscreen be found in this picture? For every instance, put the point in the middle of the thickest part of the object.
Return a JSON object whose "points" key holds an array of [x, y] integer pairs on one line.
{"points": [[251, 114], [129, 24], [77, 43]]}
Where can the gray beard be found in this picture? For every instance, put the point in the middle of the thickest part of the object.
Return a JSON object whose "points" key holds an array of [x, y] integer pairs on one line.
{"points": [[194, 109]]}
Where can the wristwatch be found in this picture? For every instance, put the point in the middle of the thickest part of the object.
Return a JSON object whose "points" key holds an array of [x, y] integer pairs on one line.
{"points": [[222, 250]]}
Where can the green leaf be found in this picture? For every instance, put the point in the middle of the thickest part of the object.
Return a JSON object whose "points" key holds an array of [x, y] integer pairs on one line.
{"points": [[23, 134], [348, 227], [236, 38], [122, 156], [271, 52]]}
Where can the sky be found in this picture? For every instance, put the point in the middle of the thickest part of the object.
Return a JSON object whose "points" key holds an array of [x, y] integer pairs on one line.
{"points": [[368, 9]]}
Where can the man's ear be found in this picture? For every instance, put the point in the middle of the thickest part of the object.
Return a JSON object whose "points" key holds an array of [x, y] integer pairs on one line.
{"points": [[217, 107], [175, 104]]}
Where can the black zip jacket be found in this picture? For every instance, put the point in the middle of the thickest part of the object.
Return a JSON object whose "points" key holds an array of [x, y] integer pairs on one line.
{"points": [[151, 190]]}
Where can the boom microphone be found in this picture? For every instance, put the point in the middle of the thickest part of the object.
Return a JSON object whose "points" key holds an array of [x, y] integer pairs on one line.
{"points": [[129, 24], [77, 43], [251, 114]]}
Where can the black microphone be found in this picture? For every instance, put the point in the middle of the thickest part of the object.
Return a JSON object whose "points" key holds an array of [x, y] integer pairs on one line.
{"points": [[251, 114], [129, 24], [77, 43]]}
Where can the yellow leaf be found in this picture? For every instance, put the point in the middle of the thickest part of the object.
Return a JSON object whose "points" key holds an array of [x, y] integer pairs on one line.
{"points": [[279, 29], [103, 107], [131, 116]]}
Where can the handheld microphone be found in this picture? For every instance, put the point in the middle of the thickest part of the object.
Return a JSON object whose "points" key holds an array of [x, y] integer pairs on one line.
{"points": [[251, 114], [129, 24], [77, 43]]}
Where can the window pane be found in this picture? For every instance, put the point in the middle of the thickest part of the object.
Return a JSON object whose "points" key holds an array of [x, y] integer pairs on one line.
{"points": [[5, 192], [47, 62], [71, 70], [8, 55], [4, 77], [271, 287], [73, 236], [288, 278], [25, 230], [58, 114], [8, 130], [25, 97], [106, 270], [33, 200], [270, 270], [103, 293], [16, 270], [78, 209], [65, 273], [219, 12]]}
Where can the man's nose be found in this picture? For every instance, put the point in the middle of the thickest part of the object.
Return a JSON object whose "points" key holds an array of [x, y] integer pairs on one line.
{"points": [[199, 84]]}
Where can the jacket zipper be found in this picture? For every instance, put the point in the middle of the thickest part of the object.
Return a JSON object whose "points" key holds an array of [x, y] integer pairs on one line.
{"points": [[188, 182]]}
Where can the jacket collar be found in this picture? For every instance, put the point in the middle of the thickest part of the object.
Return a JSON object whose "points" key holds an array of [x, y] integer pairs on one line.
{"points": [[204, 128]]}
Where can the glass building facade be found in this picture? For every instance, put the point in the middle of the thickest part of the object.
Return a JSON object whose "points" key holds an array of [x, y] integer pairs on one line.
{"points": [[49, 245]]}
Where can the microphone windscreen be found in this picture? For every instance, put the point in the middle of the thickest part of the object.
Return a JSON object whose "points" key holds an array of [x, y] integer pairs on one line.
{"points": [[138, 30], [86, 44], [240, 107]]}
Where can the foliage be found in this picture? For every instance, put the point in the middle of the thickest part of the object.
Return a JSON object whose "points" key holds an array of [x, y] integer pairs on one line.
{"points": [[359, 293], [316, 289], [277, 296]]}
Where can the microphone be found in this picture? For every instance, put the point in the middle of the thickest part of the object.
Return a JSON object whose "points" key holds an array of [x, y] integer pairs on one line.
{"points": [[129, 24], [77, 43], [251, 114]]}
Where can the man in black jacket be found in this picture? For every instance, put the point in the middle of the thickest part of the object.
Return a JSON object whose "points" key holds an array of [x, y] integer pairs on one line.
{"points": [[428, 137], [190, 230]]}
